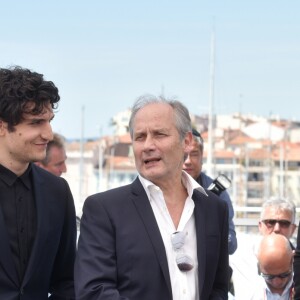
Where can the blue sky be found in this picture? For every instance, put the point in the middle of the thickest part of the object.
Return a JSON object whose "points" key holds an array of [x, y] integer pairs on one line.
{"points": [[102, 55]]}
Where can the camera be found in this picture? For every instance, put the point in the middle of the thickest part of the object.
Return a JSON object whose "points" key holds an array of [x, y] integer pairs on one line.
{"points": [[220, 184]]}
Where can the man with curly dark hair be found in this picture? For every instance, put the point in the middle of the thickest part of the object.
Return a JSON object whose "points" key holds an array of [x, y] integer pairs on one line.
{"points": [[37, 214]]}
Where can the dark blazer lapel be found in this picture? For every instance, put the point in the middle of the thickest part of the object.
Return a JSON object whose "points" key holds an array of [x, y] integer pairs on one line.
{"points": [[40, 195], [6, 259], [144, 208], [199, 213]]}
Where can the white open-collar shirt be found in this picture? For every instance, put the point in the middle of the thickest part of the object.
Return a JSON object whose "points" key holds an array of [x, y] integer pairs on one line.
{"points": [[184, 284]]}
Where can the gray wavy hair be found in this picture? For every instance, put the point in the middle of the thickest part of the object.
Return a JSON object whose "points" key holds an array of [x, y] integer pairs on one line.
{"points": [[181, 113], [281, 204]]}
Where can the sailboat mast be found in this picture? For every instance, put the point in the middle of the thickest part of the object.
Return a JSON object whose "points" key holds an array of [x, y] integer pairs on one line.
{"points": [[211, 108], [81, 162]]}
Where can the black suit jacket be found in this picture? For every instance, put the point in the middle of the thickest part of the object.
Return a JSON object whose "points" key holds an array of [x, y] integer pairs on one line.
{"points": [[50, 268], [121, 253], [297, 267]]}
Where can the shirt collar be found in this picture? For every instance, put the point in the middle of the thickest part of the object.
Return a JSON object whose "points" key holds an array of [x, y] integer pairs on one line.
{"points": [[187, 181], [285, 291], [7, 176], [10, 177], [26, 177]]}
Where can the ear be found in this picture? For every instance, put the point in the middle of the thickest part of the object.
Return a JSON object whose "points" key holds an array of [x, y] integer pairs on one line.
{"points": [[260, 227], [3, 127]]}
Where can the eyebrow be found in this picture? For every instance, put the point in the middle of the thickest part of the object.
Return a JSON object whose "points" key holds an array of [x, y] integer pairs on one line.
{"points": [[31, 117]]}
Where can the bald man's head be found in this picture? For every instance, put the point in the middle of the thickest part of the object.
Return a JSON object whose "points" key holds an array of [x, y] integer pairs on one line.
{"points": [[275, 257]]}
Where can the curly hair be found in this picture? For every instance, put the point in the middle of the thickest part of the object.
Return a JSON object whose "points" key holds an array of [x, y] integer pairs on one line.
{"points": [[18, 87]]}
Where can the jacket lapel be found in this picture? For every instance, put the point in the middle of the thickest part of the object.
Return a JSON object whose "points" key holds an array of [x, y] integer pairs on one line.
{"points": [[38, 244], [200, 215], [144, 209]]}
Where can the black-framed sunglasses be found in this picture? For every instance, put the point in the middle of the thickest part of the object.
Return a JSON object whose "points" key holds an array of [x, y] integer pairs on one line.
{"points": [[269, 277], [184, 262], [270, 223]]}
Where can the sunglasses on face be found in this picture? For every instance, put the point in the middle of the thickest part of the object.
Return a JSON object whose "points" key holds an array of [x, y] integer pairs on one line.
{"points": [[184, 262], [269, 277], [270, 223]]}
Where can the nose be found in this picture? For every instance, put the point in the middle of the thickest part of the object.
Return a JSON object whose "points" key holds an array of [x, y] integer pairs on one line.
{"points": [[277, 228], [47, 133], [188, 159], [63, 168], [277, 282], [149, 142]]}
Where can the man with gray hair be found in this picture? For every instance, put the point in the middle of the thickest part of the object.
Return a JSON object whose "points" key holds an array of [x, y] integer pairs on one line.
{"points": [[278, 215], [55, 160], [162, 236]]}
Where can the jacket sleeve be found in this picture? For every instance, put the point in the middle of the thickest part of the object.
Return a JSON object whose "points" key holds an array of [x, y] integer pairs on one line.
{"points": [[232, 240], [220, 288], [62, 279], [297, 268], [96, 264]]}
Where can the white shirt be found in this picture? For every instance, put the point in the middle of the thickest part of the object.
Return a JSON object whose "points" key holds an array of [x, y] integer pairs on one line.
{"points": [[262, 291], [184, 284]]}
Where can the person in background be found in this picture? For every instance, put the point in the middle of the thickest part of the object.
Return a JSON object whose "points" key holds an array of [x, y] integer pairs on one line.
{"points": [[37, 213], [275, 259], [163, 236], [278, 216], [193, 166], [55, 160]]}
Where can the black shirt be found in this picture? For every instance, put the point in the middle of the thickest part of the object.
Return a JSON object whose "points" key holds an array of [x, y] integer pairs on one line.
{"points": [[18, 207]]}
